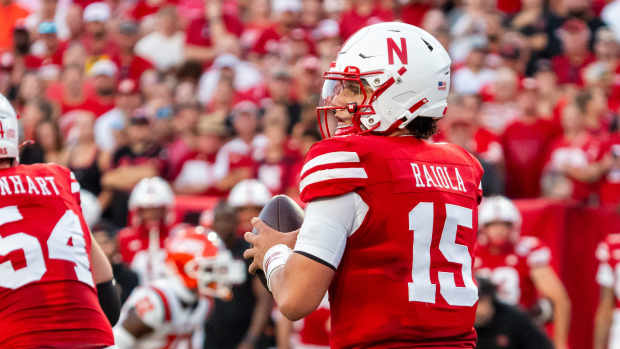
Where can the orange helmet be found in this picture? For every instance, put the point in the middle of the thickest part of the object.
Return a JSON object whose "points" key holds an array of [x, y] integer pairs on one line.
{"points": [[199, 259]]}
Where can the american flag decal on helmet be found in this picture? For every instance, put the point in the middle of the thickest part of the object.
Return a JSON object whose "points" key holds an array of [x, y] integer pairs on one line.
{"points": [[441, 85]]}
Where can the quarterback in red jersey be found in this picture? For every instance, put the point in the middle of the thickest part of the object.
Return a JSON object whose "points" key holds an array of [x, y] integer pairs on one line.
{"points": [[52, 273], [520, 266], [607, 320], [391, 219]]}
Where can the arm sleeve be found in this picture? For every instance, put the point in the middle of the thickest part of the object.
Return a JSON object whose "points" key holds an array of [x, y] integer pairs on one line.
{"points": [[333, 167], [328, 223]]}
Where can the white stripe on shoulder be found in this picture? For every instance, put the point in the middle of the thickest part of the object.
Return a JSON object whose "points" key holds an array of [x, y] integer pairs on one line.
{"points": [[332, 173], [75, 187], [72, 175], [330, 158], [10, 214]]}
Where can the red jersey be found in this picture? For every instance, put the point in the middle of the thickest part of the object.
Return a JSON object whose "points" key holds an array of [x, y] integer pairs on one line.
{"points": [[608, 256], [143, 251], [47, 293], [405, 279], [510, 269]]}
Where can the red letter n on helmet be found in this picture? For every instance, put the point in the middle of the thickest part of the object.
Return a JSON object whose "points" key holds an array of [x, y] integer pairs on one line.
{"points": [[401, 51]]}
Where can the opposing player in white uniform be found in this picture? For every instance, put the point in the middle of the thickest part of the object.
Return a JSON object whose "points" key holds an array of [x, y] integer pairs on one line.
{"points": [[169, 313]]}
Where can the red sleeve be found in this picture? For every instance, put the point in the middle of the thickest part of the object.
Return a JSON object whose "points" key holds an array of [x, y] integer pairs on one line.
{"points": [[124, 236], [194, 33], [332, 167]]}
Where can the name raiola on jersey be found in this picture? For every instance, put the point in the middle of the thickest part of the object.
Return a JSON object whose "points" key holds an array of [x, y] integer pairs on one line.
{"points": [[438, 177], [28, 185]]}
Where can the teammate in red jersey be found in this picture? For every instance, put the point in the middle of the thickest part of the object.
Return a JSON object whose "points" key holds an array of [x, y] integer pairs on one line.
{"points": [[391, 218], [520, 266], [51, 270], [141, 244], [607, 320]]}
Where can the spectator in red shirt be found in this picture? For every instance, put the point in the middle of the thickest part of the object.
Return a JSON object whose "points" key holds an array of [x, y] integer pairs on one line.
{"points": [[104, 74], [575, 37], [211, 34], [257, 21], [277, 169], [69, 94], [237, 158], [328, 42], [592, 104], [285, 14], [413, 12], [608, 53], [96, 40], [500, 107], [54, 49], [130, 65], [566, 172], [525, 142], [361, 14], [609, 187], [197, 174]]}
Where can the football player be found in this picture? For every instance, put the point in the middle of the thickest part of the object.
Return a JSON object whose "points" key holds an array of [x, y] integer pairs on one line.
{"points": [[520, 266], [54, 278], [170, 312], [391, 218], [607, 319], [141, 243]]}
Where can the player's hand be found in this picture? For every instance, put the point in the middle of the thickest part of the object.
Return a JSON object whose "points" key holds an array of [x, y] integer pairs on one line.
{"points": [[265, 238]]}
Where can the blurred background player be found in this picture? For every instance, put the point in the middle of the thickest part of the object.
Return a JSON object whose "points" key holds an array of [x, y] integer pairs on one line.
{"points": [[244, 321], [54, 275], [170, 313], [520, 266], [500, 325], [248, 197], [142, 242]]}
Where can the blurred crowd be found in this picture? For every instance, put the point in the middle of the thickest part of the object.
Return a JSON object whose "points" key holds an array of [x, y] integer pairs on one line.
{"points": [[206, 94]]}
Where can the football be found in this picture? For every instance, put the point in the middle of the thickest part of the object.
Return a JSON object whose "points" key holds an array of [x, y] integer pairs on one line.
{"points": [[282, 214]]}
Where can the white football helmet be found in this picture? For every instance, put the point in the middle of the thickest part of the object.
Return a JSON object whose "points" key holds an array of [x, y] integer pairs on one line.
{"points": [[151, 192], [249, 192], [498, 209], [9, 136], [405, 67]]}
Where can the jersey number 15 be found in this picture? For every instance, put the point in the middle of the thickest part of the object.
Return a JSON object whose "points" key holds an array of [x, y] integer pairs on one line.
{"points": [[421, 289]]}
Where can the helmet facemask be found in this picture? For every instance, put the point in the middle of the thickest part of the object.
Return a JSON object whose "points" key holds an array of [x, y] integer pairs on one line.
{"points": [[346, 97], [215, 276]]}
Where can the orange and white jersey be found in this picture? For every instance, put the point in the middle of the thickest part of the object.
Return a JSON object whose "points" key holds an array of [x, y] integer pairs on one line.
{"points": [[171, 310]]}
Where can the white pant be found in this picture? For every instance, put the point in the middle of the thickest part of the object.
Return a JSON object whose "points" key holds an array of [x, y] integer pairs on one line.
{"points": [[614, 331]]}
